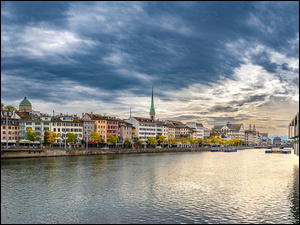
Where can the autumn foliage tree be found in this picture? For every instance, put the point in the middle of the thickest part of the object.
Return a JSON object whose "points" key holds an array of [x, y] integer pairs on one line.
{"points": [[96, 137], [50, 137], [152, 141], [31, 135]]}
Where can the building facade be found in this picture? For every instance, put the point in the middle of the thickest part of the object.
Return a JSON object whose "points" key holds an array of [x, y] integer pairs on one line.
{"points": [[66, 124], [230, 131], [9, 128], [125, 131], [293, 130], [276, 141]]}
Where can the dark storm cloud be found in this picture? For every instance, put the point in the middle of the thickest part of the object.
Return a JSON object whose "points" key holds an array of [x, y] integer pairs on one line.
{"points": [[263, 59], [115, 46], [250, 99], [223, 109]]}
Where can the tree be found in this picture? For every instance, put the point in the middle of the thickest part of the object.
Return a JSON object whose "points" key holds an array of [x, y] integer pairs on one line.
{"points": [[139, 142], [10, 108], [127, 143], [191, 140], [151, 141], [162, 139], [96, 137], [112, 139], [2, 106], [237, 141], [31, 135], [173, 140], [199, 141], [230, 142], [50, 137], [71, 138], [183, 141]]}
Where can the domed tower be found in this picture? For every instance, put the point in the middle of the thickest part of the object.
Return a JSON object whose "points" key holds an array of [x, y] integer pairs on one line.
{"points": [[25, 106]]}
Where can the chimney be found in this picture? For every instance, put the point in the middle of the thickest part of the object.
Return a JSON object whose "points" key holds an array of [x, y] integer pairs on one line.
{"points": [[82, 115]]}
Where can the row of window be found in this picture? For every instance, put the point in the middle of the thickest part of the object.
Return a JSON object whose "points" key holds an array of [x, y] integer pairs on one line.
{"points": [[38, 123], [10, 138], [68, 124], [147, 129], [112, 122], [4, 127], [9, 122], [112, 127], [67, 130], [63, 135], [111, 131], [9, 132]]}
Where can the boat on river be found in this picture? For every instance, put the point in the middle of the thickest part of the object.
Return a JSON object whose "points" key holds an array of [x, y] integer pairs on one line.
{"points": [[278, 151], [224, 150]]}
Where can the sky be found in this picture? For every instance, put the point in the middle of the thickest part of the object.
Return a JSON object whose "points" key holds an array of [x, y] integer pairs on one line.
{"points": [[208, 62]]}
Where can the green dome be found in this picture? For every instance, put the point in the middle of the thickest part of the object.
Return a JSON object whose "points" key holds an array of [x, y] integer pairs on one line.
{"points": [[25, 102]]}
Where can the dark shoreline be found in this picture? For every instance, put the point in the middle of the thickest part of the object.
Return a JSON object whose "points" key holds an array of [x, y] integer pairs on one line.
{"points": [[33, 153]]}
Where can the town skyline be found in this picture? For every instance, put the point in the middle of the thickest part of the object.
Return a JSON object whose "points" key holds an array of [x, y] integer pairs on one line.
{"points": [[208, 62]]}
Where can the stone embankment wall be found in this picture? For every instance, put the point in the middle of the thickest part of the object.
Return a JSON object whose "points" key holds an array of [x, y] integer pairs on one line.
{"points": [[29, 153]]}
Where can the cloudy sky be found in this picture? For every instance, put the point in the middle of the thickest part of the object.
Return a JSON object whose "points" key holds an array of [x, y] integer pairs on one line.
{"points": [[209, 62]]}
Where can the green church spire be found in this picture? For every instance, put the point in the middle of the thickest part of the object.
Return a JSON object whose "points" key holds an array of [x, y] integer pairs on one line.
{"points": [[152, 110]]}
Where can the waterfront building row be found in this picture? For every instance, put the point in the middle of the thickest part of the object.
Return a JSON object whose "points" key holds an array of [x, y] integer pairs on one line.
{"points": [[133, 127]]}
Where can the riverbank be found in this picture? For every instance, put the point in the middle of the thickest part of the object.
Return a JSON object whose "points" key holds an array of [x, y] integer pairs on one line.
{"points": [[32, 153]]}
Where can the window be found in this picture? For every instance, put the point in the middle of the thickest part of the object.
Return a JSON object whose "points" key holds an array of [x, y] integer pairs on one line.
{"points": [[4, 132], [58, 129], [54, 129]]}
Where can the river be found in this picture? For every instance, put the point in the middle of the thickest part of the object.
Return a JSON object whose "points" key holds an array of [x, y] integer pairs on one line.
{"points": [[247, 186]]}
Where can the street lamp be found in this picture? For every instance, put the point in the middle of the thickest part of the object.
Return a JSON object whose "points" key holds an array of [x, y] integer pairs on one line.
{"points": [[7, 114], [65, 135], [41, 133], [87, 141]]}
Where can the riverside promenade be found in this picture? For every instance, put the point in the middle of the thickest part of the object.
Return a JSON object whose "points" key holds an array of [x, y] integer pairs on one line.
{"points": [[32, 153]]}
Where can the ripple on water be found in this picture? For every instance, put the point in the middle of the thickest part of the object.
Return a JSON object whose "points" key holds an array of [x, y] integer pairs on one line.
{"points": [[145, 188]]}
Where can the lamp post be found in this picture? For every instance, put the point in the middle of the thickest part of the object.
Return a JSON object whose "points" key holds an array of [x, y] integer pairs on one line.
{"points": [[7, 114], [132, 142], [168, 140], [41, 133], [65, 135], [87, 141]]}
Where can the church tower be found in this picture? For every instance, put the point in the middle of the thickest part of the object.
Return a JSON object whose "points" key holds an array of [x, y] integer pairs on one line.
{"points": [[152, 110]]}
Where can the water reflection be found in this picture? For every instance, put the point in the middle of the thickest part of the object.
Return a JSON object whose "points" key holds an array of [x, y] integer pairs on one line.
{"points": [[244, 187], [295, 195]]}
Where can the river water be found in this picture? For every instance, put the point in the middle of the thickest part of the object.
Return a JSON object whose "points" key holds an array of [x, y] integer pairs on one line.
{"points": [[247, 186]]}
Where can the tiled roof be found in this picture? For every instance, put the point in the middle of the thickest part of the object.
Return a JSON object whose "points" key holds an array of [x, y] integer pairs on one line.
{"points": [[143, 119], [23, 115], [57, 119]]}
